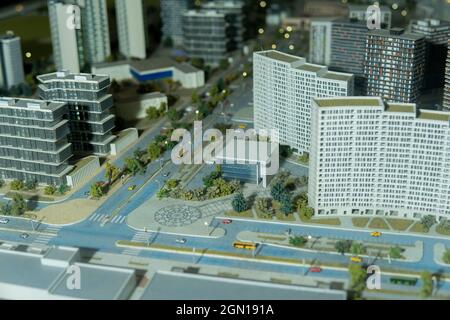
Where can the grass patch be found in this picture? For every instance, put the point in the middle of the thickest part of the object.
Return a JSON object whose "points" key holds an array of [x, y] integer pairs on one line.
{"points": [[399, 224], [360, 222], [283, 217], [378, 223], [418, 227], [326, 221], [274, 238], [244, 214], [441, 230]]}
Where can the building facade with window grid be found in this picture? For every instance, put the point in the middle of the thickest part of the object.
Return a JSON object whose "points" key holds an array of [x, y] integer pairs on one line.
{"points": [[90, 119], [283, 86], [395, 65], [370, 157], [33, 141]]}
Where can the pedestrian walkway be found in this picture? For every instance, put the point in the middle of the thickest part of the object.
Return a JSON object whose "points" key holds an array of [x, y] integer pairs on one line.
{"points": [[101, 218], [45, 236], [140, 236]]}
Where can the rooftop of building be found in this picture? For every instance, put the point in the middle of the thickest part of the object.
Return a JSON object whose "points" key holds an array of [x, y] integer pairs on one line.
{"points": [[47, 271], [401, 107], [148, 65], [300, 63], [223, 4], [399, 33], [31, 104], [9, 35], [434, 115], [280, 56], [431, 22], [388, 107], [204, 13], [180, 286], [68, 76], [351, 22], [349, 102], [363, 7]]}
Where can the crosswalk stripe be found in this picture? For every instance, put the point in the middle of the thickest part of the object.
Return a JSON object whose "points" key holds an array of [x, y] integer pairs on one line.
{"points": [[114, 219], [93, 217], [123, 219]]}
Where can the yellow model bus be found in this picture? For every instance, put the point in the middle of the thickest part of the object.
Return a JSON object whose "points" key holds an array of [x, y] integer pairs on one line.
{"points": [[244, 245]]}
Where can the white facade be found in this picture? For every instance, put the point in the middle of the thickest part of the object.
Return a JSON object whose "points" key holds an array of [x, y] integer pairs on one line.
{"points": [[11, 62], [131, 28], [320, 41], [80, 33], [283, 86], [188, 76], [372, 157]]}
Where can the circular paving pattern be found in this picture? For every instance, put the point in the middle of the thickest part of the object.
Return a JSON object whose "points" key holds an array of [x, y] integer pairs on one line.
{"points": [[177, 216]]}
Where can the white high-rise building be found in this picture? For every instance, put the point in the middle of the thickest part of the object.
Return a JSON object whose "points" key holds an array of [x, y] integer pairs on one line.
{"points": [[320, 41], [80, 33], [283, 86], [131, 28], [369, 156], [11, 62]]}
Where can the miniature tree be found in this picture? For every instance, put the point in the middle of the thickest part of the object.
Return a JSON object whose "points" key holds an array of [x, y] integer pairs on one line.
{"points": [[154, 151], [239, 203], [96, 190], [357, 280], [17, 185], [343, 246], [427, 284], [428, 221], [277, 191], [19, 206], [5, 209], [111, 172], [286, 204], [50, 190], [395, 252]]}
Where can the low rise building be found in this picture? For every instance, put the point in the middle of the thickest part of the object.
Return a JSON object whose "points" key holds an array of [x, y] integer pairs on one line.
{"points": [[49, 275]]}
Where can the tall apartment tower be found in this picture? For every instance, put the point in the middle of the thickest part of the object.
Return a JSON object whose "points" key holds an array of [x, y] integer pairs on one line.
{"points": [[233, 9], [11, 62], [446, 101], [172, 18], [283, 88], [395, 65], [320, 40], [90, 120], [372, 157], [359, 12], [33, 141], [80, 33], [131, 28], [435, 32], [208, 35], [348, 47]]}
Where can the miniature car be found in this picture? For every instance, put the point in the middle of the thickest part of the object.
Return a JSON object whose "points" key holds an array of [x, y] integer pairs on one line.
{"points": [[166, 174], [226, 221], [131, 188], [4, 221], [355, 259], [242, 126], [24, 235], [182, 240], [315, 269], [375, 234]]}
